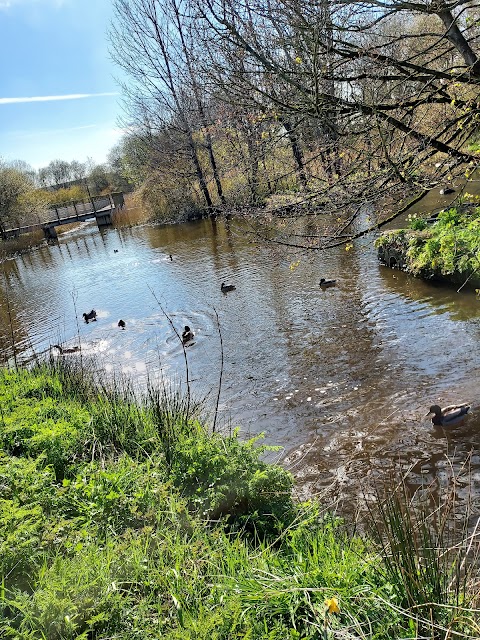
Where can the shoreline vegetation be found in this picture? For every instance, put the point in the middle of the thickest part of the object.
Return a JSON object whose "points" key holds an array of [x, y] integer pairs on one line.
{"points": [[444, 248], [126, 517]]}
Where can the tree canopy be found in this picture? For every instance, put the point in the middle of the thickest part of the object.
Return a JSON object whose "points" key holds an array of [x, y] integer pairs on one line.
{"points": [[341, 102]]}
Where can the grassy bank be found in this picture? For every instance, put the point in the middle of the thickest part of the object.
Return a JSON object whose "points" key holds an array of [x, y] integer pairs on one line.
{"points": [[448, 248], [122, 518]]}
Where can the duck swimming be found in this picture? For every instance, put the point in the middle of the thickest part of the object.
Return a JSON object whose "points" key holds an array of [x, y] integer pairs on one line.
{"points": [[64, 350], [327, 283], [448, 416], [187, 335], [91, 315], [227, 287], [121, 324]]}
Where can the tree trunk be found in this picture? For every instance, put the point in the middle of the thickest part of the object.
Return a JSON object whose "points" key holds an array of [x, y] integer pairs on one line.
{"points": [[213, 164], [253, 170], [455, 36], [200, 176], [297, 153], [198, 100]]}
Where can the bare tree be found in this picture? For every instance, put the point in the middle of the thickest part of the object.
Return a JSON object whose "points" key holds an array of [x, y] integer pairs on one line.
{"points": [[384, 96], [60, 171], [44, 177], [150, 42], [78, 170]]}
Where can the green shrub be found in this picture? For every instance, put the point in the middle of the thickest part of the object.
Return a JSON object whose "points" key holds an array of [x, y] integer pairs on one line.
{"points": [[73, 599], [451, 247], [225, 477], [416, 223], [47, 426], [66, 195]]}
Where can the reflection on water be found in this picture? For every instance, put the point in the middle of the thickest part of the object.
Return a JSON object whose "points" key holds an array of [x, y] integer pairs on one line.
{"points": [[342, 378]]}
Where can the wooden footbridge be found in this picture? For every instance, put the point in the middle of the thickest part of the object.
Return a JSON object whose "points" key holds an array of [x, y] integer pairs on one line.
{"points": [[101, 208]]}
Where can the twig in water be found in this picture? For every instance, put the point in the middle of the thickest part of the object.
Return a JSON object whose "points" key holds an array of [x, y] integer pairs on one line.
{"points": [[221, 372], [74, 295], [170, 321], [10, 321]]}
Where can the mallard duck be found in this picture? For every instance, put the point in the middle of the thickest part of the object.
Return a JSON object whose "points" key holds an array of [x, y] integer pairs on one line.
{"points": [[448, 415], [327, 283], [64, 350], [91, 315], [187, 335], [121, 324], [225, 288]]}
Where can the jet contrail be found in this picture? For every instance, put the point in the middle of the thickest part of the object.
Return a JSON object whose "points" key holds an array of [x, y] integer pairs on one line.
{"points": [[71, 96]]}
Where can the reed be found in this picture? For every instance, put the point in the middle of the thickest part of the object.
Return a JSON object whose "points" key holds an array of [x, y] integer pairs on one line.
{"points": [[429, 550]]}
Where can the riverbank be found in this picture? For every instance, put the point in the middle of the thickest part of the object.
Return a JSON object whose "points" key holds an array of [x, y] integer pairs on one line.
{"points": [[129, 518], [446, 248]]}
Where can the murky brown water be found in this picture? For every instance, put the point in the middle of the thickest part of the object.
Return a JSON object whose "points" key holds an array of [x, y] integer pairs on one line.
{"points": [[341, 378]]}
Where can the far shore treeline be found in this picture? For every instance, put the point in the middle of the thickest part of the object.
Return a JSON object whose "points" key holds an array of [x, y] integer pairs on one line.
{"points": [[287, 108], [25, 194]]}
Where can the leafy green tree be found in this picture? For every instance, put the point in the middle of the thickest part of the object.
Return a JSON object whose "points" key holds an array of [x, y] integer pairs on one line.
{"points": [[19, 201]]}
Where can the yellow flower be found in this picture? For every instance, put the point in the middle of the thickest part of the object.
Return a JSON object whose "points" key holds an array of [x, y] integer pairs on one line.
{"points": [[331, 605], [298, 60], [294, 265], [348, 246]]}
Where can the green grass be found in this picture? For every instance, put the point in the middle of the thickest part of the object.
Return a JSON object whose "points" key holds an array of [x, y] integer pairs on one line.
{"points": [[125, 518]]}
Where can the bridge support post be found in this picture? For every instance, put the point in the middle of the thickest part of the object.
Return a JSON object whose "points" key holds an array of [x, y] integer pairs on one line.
{"points": [[118, 200], [50, 233], [104, 219]]}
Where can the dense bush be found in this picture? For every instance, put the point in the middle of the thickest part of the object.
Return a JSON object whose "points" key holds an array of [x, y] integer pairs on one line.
{"points": [[224, 477], [67, 195]]}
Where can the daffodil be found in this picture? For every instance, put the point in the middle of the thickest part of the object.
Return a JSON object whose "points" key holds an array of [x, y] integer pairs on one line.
{"points": [[331, 605]]}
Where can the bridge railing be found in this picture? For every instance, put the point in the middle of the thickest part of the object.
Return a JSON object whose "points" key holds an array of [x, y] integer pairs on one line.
{"points": [[79, 208], [68, 212]]}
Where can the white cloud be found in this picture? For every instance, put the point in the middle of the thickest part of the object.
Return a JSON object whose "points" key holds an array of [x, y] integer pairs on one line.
{"points": [[71, 96]]}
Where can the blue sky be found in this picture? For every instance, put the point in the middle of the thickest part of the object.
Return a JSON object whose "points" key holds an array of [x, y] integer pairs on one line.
{"points": [[56, 49]]}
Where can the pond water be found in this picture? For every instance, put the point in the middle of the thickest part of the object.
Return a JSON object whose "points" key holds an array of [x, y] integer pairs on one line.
{"points": [[341, 378]]}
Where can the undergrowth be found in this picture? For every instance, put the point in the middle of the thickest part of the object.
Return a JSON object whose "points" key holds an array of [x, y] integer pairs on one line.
{"points": [[126, 518]]}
